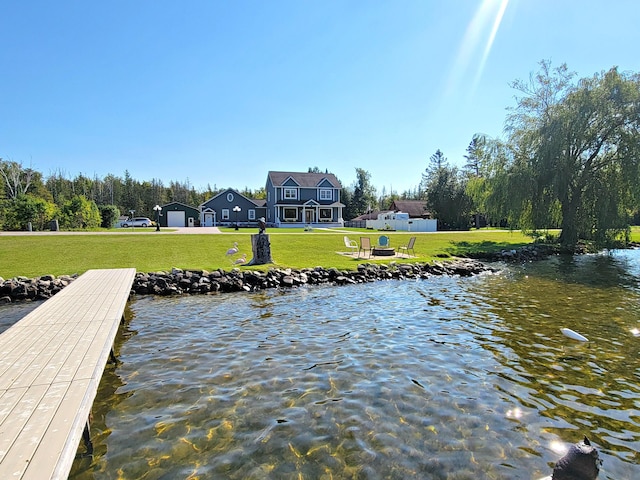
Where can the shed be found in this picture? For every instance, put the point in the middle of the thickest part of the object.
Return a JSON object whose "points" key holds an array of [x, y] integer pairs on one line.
{"points": [[176, 214]]}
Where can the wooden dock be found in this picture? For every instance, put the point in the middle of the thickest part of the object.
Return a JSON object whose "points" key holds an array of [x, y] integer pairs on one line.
{"points": [[51, 363]]}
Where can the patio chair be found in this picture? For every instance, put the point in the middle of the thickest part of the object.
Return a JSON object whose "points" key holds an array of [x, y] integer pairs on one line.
{"points": [[352, 245], [365, 245], [408, 247], [383, 241]]}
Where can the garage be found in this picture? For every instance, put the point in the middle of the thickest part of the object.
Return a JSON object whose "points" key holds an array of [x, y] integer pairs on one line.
{"points": [[176, 219], [176, 214]]}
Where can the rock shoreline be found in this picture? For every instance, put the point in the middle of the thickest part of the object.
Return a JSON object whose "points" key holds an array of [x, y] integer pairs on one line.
{"points": [[528, 253], [180, 282], [19, 289], [192, 282]]}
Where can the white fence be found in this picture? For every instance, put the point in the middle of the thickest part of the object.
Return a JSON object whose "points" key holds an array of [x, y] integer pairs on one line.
{"points": [[404, 225]]}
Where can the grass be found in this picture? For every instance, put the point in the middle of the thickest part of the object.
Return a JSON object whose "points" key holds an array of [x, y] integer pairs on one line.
{"points": [[147, 251]]}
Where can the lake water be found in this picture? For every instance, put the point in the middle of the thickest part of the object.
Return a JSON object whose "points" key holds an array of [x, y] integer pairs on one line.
{"points": [[445, 378]]}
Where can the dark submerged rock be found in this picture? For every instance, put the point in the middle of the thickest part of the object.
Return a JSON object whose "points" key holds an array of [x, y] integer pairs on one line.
{"points": [[581, 462]]}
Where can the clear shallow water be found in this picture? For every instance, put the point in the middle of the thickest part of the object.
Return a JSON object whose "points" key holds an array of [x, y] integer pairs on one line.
{"points": [[446, 379], [10, 314]]}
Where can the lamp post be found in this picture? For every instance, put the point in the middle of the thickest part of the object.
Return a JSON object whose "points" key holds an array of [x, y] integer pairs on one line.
{"points": [[236, 209], [158, 209]]}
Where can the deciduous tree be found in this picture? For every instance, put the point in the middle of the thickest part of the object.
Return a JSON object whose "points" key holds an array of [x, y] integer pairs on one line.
{"points": [[79, 213], [576, 151], [27, 209]]}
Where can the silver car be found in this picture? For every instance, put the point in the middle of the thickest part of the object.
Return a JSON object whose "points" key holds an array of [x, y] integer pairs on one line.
{"points": [[137, 222]]}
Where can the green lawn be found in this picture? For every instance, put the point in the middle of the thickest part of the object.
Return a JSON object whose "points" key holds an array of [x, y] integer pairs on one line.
{"points": [[147, 251]]}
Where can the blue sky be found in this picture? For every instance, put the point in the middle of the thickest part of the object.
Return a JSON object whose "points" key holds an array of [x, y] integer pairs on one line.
{"points": [[221, 92]]}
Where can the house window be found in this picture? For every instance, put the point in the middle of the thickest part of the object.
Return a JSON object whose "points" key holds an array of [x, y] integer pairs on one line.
{"points": [[290, 214], [290, 193], [252, 214], [229, 197], [225, 214], [326, 194], [325, 214]]}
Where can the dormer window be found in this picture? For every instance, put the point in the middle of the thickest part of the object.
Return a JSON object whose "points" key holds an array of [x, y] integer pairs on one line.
{"points": [[290, 193]]}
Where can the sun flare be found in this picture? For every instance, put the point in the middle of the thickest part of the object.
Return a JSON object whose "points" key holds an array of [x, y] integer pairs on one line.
{"points": [[482, 30]]}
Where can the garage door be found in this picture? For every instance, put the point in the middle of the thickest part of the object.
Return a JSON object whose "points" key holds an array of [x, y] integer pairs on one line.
{"points": [[176, 219]]}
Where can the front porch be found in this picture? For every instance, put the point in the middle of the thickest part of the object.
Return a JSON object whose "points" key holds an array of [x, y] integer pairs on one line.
{"points": [[311, 214], [306, 226]]}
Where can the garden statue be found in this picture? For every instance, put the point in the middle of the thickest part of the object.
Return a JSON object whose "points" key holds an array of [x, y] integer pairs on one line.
{"points": [[260, 245]]}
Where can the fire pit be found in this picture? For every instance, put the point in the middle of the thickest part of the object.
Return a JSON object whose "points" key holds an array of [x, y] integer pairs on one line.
{"points": [[383, 252]]}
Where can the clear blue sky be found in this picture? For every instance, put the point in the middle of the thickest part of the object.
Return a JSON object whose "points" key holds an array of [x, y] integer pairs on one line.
{"points": [[221, 92]]}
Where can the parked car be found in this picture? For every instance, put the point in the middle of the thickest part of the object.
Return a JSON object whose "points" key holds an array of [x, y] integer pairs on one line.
{"points": [[138, 222]]}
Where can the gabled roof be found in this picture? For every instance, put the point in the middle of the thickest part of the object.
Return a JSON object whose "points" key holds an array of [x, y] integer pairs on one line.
{"points": [[308, 180], [178, 203], [415, 208], [256, 202], [373, 215]]}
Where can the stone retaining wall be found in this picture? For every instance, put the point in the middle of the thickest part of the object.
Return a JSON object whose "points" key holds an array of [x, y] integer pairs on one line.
{"points": [[40, 288], [189, 282], [179, 282]]}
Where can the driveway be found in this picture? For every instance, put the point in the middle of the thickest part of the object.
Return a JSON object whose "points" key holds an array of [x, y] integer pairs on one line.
{"points": [[120, 231], [192, 230]]}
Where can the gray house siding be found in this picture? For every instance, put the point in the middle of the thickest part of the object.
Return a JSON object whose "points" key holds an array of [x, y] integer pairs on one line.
{"points": [[219, 210], [300, 199]]}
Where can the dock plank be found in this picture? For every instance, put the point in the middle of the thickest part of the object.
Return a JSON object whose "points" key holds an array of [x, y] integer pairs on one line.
{"points": [[51, 363], [52, 458]]}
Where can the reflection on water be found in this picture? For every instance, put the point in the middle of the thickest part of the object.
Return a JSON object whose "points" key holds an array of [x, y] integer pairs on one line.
{"points": [[445, 378], [11, 313]]}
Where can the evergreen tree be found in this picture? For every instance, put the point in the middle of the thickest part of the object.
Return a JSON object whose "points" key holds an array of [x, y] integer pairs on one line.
{"points": [[364, 193], [447, 199], [109, 215]]}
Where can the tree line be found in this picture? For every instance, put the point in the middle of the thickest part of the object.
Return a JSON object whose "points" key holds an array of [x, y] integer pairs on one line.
{"points": [[30, 200], [570, 159], [27, 197]]}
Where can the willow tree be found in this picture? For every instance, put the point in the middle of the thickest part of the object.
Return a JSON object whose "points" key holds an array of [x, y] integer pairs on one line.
{"points": [[577, 147]]}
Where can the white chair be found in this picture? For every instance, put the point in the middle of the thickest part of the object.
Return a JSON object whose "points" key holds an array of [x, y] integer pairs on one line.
{"points": [[350, 244]]}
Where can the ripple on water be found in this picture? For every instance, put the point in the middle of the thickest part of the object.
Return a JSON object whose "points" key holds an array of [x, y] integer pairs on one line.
{"points": [[444, 378]]}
